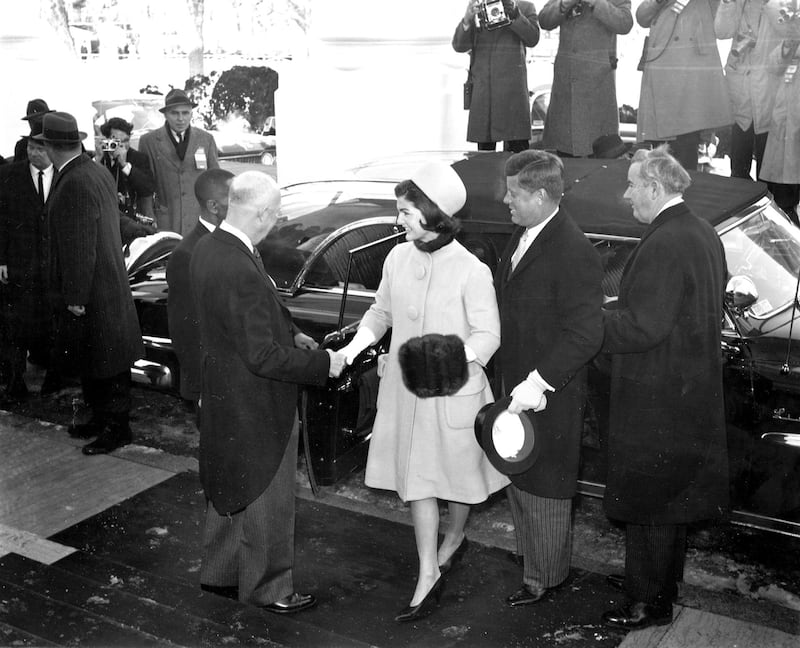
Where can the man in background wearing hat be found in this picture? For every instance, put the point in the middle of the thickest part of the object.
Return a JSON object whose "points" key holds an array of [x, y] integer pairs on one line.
{"points": [[89, 284], [178, 154], [667, 443], [34, 113], [549, 290], [24, 192]]}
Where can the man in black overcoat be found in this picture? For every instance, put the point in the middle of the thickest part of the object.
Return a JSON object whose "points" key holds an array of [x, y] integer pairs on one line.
{"points": [[95, 315], [667, 449], [248, 410], [549, 292], [211, 191], [34, 114], [24, 191]]}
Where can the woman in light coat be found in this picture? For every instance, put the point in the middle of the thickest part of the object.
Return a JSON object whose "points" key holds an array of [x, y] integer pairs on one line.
{"points": [[425, 448]]}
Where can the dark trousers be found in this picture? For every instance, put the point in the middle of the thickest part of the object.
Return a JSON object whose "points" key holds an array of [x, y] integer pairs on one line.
{"points": [[109, 398], [654, 559], [253, 549], [543, 527], [746, 144], [684, 149], [514, 146], [786, 197]]}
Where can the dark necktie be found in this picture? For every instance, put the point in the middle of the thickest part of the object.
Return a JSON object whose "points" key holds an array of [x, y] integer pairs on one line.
{"points": [[41, 186]]}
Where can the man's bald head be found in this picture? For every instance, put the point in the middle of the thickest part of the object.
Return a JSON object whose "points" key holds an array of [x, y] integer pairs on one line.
{"points": [[254, 202]]}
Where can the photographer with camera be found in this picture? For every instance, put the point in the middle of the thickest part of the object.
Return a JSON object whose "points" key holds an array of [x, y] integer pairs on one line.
{"points": [[583, 103], [496, 33], [683, 87], [751, 86], [134, 181]]}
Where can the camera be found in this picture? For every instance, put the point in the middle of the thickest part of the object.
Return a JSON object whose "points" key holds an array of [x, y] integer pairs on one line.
{"points": [[145, 220], [109, 144], [742, 43], [493, 14]]}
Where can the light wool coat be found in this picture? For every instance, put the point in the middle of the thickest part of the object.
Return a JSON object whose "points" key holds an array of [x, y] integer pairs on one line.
{"points": [[782, 155], [683, 87], [426, 447], [176, 205], [583, 105]]}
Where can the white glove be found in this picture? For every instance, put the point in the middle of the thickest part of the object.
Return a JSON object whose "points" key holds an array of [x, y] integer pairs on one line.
{"points": [[527, 395], [363, 338]]}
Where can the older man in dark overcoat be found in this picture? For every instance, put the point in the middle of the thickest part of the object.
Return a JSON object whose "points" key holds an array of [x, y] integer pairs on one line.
{"points": [[549, 292], [24, 191], [667, 450], [499, 109], [248, 423], [89, 285]]}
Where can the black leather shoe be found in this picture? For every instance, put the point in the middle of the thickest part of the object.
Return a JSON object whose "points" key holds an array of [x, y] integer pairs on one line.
{"points": [[109, 440], [87, 430], [292, 604], [516, 558], [636, 616], [425, 606], [617, 581], [228, 591], [526, 595], [455, 557]]}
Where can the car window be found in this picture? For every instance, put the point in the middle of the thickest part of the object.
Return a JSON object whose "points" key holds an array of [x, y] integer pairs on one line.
{"points": [[614, 255], [766, 248], [330, 268]]}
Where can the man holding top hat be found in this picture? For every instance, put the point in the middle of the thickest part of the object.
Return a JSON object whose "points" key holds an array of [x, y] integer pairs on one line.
{"points": [[96, 324], [549, 292], [178, 154]]}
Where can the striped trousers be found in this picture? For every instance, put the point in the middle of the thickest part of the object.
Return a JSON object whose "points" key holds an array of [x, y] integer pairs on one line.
{"points": [[654, 559], [254, 548], [543, 528]]}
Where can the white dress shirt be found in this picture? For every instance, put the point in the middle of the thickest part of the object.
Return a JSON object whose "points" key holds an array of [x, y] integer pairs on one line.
{"points": [[47, 179]]}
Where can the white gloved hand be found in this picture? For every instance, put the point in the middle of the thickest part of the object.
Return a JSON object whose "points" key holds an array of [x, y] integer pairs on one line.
{"points": [[363, 338], [527, 395]]}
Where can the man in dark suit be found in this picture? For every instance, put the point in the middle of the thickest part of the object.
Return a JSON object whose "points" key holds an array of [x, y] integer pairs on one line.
{"points": [[550, 297], [132, 175], [24, 191], [248, 422], [178, 154], [34, 113], [667, 446], [89, 285], [211, 191]]}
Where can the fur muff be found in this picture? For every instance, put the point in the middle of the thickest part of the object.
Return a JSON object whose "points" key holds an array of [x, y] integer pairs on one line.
{"points": [[433, 365]]}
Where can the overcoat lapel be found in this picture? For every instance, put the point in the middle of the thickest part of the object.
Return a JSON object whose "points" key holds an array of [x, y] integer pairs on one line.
{"points": [[537, 247]]}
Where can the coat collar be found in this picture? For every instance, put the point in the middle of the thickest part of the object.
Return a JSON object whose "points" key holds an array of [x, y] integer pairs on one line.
{"points": [[669, 214], [539, 244]]}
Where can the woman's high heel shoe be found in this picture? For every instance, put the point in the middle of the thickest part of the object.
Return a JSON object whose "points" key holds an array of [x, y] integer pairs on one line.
{"points": [[455, 557], [425, 606]]}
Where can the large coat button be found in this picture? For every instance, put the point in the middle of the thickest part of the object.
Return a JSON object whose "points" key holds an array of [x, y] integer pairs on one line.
{"points": [[412, 313], [419, 272]]}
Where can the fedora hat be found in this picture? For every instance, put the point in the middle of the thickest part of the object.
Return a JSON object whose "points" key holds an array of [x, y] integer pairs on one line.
{"points": [[60, 128], [608, 147], [509, 440], [36, 109], [176, 97]]}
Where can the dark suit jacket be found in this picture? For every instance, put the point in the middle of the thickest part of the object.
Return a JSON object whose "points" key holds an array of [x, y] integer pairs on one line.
{"points": [[137, 187], [23, 248], [250, 371], [181, 314], [87, 268], [667, 448], [550, 320]]}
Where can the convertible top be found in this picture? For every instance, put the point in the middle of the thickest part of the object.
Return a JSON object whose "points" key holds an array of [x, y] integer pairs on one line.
{"points": [[593, 192]]}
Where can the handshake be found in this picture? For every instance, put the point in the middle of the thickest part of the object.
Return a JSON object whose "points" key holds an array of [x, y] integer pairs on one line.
{"points": [[338, 363]]}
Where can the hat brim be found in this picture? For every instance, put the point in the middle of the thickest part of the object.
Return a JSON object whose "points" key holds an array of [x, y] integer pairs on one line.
{"points": [[175, 105], [615, 152], [484, 433], [41, 138], [36, 115]]}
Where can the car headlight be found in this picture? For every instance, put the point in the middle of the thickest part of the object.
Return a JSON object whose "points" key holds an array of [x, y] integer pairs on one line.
{"points": [[267, 158]]}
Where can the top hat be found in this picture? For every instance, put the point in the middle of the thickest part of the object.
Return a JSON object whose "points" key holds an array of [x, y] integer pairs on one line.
{"points": [[509, 440], [60, 128], [439, 182], [608, 147], [176, 97], [36, 109], [433, 365]]}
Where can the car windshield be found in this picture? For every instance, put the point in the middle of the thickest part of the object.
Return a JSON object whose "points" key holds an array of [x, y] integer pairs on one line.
{"points": [[766, 248]]}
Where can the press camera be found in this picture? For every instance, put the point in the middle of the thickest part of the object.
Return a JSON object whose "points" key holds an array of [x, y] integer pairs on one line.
{"points": [[492, 14], [108, 145]]}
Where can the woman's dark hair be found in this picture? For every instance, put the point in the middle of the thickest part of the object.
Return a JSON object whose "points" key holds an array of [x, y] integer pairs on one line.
{"points": [[116, 123], [435, 219]]}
